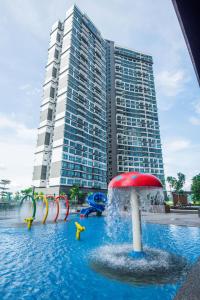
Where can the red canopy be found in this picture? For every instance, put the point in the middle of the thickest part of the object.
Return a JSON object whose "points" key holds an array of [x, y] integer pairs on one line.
{"points": [[134, 179]]}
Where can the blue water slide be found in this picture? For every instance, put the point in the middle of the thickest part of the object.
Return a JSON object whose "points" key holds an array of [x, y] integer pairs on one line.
{"points": [[97, 202]]}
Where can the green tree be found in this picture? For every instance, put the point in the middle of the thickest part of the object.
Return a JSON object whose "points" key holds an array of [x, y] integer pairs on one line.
{"points": [[5, 182], [38, 194], [195, 188], [75, 194], [4, 189], [17, 196], [62, 194], [171, 180], [35, 194], [177, 183], [27, 191]]}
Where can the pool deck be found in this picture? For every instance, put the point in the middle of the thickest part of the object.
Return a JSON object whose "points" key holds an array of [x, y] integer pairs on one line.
{"points": [[179, 219], [190, 290]]}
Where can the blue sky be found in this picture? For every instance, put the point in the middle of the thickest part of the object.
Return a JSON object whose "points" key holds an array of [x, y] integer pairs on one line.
{"points": [[149, 26]]}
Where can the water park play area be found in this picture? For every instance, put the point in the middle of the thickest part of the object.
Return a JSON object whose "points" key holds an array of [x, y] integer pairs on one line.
{"points": [[115, 246]]}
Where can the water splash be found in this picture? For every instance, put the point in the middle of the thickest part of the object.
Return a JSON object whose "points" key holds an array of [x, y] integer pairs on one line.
{"points": [[157, 266], [119, 206], [25, 211], [116, 261]]}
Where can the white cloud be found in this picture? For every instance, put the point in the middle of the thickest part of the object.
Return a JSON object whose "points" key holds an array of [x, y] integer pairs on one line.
{"points": [[171, 83], [11, 128], [197, 107], [181, 155], [27, 14], [17, 147], [178, 144], [194, 121], [2, 167], [29, 90], [169, 86], [24, 87], [18, 159]]}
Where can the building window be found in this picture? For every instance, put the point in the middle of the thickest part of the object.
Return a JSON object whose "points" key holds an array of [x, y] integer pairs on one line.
{"points": [[49, 114], [47, 138], [43, 172], [58, 37], [54, 72], [52, 92], [56, 53]]}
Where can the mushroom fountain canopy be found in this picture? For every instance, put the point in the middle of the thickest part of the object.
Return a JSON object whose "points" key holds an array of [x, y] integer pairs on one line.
{"points": [[135, 179]]}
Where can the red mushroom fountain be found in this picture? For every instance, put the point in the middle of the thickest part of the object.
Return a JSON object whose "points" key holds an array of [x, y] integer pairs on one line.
{"points": [[135, 180], [131, 193]]}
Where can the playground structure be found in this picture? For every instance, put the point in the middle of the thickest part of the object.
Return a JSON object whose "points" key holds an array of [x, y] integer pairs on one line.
{"points": [[79, 229], [45, 199], [29, 220], [97, 202]]}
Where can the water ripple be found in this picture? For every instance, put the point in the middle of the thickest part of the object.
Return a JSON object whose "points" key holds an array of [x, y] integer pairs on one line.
{"points": [[48, 263]]}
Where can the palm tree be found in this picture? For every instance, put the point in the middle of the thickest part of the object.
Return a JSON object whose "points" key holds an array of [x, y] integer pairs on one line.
{"points": [[3, 188], [171, 180], [176, 184], [75, 193], [27, 191]]}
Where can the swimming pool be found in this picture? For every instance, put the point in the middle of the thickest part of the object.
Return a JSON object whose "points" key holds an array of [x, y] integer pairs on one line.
{"points": [[49, 263]]}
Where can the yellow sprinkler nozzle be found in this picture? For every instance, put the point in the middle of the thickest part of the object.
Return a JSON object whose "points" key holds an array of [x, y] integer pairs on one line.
{"points": [[29, 222], [79, 229]]}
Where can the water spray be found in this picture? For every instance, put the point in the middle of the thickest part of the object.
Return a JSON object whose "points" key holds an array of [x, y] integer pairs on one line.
{"points": [[128, 195], [30, 220], [135, 180]]}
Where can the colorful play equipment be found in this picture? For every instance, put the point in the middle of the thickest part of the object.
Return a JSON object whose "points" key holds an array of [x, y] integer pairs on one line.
{"points": [[97, 202], [56, 200], [135, 181], [29, 221], [79, 229], [67, 207], [58, 208], [45, 199]]}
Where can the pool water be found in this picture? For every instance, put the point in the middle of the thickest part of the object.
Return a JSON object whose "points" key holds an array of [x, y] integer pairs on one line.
{"points": [[47, 262]]}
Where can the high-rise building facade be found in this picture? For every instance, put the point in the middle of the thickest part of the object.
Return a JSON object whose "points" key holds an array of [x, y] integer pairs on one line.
{"points": [[71, 145], [133, 129], [98, 111]]}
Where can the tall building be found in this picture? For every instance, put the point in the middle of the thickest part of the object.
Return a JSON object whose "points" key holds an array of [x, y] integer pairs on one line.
{"points": [[98, 111], [71, 145], [133, 129]]}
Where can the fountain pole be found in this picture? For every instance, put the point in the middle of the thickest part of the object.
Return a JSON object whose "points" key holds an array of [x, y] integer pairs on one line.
{"points": [[134, 180], [136, 222]]}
